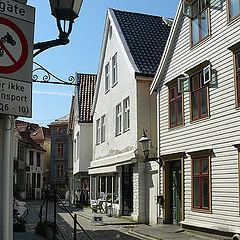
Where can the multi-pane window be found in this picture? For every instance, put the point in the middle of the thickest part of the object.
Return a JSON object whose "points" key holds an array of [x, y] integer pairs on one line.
{"points": [[31, 158], [38, 160], [60, 148], [199, 97], [38, 180], [233, 8], [98, 131], [107, 77], [126, 114], [118, 119], [59, 170], [114, 69], [237, 68], [175, 107], [21, 153], [200, 20], [201, 183], [103, 128]]}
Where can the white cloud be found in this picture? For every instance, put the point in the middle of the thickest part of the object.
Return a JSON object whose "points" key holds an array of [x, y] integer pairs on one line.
{"points": [[53, 93]]}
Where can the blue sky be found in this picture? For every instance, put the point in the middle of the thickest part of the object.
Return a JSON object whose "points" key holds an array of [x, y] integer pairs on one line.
{"points": [[82, 53]]}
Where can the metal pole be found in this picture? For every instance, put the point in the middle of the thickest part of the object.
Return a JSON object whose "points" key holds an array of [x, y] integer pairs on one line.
{"points": [[75, 227], [55, 213], [46, 197], [6, 203]]}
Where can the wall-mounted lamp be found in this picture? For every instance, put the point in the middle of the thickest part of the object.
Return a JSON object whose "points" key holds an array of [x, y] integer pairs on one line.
{"points": [[146, 144], [62, 10]]}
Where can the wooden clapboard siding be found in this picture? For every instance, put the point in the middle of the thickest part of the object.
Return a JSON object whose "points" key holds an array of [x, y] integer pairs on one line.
{"points": [[218, 132]]}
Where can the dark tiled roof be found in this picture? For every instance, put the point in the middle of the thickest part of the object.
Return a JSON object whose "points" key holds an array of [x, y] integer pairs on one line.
{"points": [[86, 88], [41, 133], [146, 36]]}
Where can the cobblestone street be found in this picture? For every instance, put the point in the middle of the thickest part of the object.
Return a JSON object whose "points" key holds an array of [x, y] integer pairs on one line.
{"points": [[112, 228]]}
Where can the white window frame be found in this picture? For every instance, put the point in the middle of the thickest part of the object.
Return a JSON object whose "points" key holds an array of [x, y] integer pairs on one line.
{"points": [[114, 70], [98, 131], [183, 84], [207, 77], [103, 128], [126, 114], [107, 77], [118, 119]]}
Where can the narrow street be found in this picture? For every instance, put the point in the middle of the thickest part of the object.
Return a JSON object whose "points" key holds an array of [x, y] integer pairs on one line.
{"points": [[112, 228]]}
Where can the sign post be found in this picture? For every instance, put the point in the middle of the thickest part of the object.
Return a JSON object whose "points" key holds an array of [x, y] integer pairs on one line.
{"points": [[16, 58]]}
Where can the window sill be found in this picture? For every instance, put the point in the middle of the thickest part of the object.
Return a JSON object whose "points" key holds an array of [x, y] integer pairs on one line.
{"points": [[126, 130], [232, 20], [118, 134], [200, 119], [107, 91], [195, 45], [202, 210], [175, 127], [114, 84]]}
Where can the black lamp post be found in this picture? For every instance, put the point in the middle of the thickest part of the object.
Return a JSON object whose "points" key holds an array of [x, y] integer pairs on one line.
{"points": [[65, 11], [146, 144]]}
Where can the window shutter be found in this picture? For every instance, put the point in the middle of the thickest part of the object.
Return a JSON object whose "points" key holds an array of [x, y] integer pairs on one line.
{"points": [[207, 74], [183, 84], [187, 9]]}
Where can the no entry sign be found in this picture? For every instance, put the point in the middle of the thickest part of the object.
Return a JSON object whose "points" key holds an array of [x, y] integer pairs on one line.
{"points": [[16, 58], [16, 40], [7, 43]]}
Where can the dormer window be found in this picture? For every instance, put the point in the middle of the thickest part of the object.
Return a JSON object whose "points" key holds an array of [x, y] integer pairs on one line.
{"points": [[198, 12]]}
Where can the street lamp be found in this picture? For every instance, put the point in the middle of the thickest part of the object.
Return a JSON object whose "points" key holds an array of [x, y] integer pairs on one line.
{"points": [[146, 144], [62, 10]]}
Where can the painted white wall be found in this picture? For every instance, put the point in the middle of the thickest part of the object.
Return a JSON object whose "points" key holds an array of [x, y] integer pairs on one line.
{"points": [[220, 131], [107, 102]]}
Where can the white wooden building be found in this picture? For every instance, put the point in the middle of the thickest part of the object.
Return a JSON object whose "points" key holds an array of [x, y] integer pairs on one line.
{"points": [[122, 108], [198, 117]]}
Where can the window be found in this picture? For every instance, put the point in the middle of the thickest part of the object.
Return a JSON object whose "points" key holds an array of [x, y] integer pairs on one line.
{"points": [[21, 153], [126, 114], [199, 21], [201, 183], [237, 68], [38, 160], [175, 107], [114, 70], [59, 170], [38, 180], [233, 8], [60, 146], [103, 128], [31, 158], [98, 131], [199, 97], [107, 77], [118, 119]]}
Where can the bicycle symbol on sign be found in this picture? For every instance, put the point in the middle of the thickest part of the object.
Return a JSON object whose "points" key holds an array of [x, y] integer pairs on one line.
{"points": [[9, 39]]}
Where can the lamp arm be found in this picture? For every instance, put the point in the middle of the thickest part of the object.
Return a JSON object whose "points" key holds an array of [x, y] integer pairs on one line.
{"points": [[42, 46], [156, 159]]}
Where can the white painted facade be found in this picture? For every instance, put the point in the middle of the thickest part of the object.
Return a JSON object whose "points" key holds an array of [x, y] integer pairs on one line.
{"points": [[219, 132], [123, 149]]}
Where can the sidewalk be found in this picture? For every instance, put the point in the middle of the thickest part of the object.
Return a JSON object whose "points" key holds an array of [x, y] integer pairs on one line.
{"points": [[160, 231], [27, 236]]}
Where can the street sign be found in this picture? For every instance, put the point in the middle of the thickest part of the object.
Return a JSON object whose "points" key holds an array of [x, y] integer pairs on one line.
{"points": [[15, 98], [16, 58], [16, 40]]}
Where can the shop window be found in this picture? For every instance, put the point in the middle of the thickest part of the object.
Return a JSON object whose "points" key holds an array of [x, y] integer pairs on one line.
{"points": [[201, 183], [175, 107]]}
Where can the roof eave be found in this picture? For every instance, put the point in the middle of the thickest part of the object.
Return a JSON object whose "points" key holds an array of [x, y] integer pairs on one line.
{"points": [[157, 78]]}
